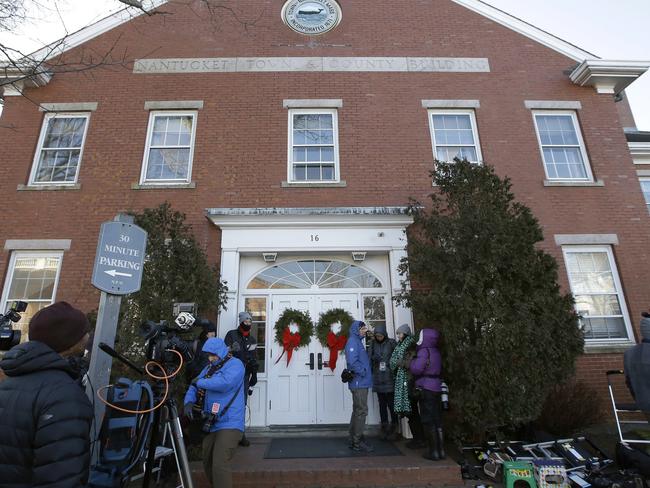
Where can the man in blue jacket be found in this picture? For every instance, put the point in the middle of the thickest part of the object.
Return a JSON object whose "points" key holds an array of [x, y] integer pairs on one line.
{"points": [[358, 362], [219, 390]]}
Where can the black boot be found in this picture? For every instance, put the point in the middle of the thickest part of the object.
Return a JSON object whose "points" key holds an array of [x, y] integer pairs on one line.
{"points": [[393, 433], [418, 436], [244, 442], [441, 443], [384, 432], [433, 449]]}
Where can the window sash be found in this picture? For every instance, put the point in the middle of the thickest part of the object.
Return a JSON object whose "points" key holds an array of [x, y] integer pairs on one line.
{"points": [[579, 146], [42, 149], [150, 147], [7, 298], [294, 166], [260, 328], [476, 146], [602, 332], [645, 189]]}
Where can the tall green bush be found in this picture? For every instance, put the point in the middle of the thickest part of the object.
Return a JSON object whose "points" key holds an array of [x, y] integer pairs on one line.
{"points": [[475, 271]]}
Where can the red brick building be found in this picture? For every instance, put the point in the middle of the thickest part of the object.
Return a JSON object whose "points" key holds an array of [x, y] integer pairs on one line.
{"points": [[294, 154]]}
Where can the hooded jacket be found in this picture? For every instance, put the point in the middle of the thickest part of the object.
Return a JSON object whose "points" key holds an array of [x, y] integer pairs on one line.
{"points": [[221, 387], [45, 420], [381, 352], [427, 364], [357, 359]]}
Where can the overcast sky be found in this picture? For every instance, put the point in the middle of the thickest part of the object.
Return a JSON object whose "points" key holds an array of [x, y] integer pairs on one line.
{"points": [[610, 29]]}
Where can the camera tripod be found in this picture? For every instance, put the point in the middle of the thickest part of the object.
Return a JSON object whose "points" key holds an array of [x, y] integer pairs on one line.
{"points": [[117, 467]]}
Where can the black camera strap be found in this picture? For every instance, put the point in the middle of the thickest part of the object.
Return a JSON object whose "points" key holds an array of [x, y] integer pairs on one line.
{"points": [[232, 399], [212, 370]]}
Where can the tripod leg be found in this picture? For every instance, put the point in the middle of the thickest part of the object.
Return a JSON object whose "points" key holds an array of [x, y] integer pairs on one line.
{"points": [[151, 454], [178, 444]]}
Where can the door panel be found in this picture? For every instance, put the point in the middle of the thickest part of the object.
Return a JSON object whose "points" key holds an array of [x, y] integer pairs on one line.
{"points": [[334, 402], [292, 389]]}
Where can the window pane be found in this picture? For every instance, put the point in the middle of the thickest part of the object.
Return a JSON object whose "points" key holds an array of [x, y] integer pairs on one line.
{"points": [[64, 132], [57, 166], [597, 298], [313, 172], [300, 172], [33, 281], [374, 310], [645, 188], [328, 172], [168, 164]]}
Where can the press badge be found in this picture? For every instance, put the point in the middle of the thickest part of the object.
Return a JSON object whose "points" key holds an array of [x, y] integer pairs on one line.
{"points": [[382, 366], [215, 408]]}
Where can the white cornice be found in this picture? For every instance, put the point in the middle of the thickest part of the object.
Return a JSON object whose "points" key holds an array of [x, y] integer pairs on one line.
{"points": [[608, 76], [640, 152], [526, 29], [351, 217]]}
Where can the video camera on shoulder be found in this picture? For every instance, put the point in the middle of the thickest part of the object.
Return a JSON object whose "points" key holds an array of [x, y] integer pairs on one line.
{"points": [[8, 336]]}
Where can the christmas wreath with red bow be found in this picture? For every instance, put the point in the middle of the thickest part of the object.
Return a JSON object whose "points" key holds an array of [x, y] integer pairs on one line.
{"points": [[290, 340], [328, 338]]}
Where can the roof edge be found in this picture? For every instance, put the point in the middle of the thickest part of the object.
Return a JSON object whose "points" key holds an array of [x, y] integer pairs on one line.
{"points": [[525, 28]]}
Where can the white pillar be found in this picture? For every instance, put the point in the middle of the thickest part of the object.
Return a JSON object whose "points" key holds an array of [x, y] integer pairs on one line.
{"points": [[227, 319], [401, 314]]}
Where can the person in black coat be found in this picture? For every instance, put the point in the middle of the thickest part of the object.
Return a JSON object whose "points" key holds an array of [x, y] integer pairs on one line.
{"points": [[243, 346], [383, 383], [46, 416]]}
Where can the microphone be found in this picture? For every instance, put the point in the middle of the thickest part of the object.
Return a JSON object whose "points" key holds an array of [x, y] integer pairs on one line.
{"points": [[108, 349], [112, 352]]}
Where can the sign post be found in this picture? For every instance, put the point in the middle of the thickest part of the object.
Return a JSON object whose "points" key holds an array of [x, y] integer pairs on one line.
{"points": [[117, 271]]}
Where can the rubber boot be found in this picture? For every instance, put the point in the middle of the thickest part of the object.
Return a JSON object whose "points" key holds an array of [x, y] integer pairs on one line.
{"points": [[433, 449], [418, 436], [441, 443]]}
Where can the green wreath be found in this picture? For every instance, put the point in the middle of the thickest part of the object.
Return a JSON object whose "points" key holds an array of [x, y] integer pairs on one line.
{"points": [[301, 319], [331, 317]]}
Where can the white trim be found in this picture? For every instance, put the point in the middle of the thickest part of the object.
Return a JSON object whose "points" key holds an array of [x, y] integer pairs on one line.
{"points": [[583, 149], [617, 284], [314, 103], [552, 105], [335, 133], [94, 30], [451, 104], [586, 239], [37, 244], [607, 76], [174, 105], [526, 29], [145, 159], [642, 179], [68, 107], [640, 152], [39, 149], [472, 118], [10, 272]]}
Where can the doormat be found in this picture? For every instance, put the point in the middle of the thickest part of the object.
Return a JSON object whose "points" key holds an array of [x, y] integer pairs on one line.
{"points": [[324, 447]]}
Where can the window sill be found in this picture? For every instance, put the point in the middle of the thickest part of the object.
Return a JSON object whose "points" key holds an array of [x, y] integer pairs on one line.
{"points": [[166, 186], [76, 186], [609, 348], [573, 183], [307, 184]]}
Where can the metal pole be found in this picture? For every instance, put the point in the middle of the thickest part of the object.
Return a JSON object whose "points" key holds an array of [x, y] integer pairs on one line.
{"points": [[99, 371]]}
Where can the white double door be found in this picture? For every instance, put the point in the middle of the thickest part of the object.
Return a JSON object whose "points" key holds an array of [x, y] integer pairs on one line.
{"points": [[307, 391]]}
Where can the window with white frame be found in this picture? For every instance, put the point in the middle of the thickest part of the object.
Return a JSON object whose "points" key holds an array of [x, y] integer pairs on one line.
{"points": [[60, 147], [598, 293], [645, 188], [32, 278], [313, 146], [256, 306], [454, 134], [562, 147], [170, 148]]}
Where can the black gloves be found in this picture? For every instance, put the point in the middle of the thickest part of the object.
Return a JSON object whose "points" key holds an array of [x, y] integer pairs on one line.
{"points": [[187, 411]]}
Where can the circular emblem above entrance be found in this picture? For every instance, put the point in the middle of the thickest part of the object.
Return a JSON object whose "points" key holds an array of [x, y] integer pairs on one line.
{"points": [[311, 17]]}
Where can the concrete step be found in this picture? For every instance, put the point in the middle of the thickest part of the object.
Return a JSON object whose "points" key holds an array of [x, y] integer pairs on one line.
{"points": [[251, 470]]}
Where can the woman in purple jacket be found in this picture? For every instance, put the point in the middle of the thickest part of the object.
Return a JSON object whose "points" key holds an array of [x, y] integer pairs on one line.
{"points": [[426, 368]]}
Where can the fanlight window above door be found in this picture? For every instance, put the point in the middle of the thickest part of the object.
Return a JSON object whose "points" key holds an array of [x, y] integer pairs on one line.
{"points": [[309, 274]]}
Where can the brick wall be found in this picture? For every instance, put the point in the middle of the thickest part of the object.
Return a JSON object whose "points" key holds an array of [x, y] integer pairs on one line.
{"points": [[240, 154]]}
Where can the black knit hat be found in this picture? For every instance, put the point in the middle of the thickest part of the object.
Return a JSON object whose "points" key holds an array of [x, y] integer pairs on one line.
{"points": [[60, 326]]}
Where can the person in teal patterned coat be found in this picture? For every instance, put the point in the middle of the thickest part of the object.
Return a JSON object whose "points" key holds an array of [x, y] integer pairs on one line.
{"points": [[405, 404]]}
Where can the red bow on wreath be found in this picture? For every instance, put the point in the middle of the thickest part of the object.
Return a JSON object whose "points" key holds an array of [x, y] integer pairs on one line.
{"points": [[335, 343], [290, 341]]}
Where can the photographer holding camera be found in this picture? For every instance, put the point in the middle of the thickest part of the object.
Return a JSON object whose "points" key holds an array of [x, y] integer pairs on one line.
{"points": [[46, 416], [218, 397], [243, 346]]}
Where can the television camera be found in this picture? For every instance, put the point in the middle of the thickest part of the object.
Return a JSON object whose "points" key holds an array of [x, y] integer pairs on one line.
{"points": [[8, 336], [146, 410]]}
